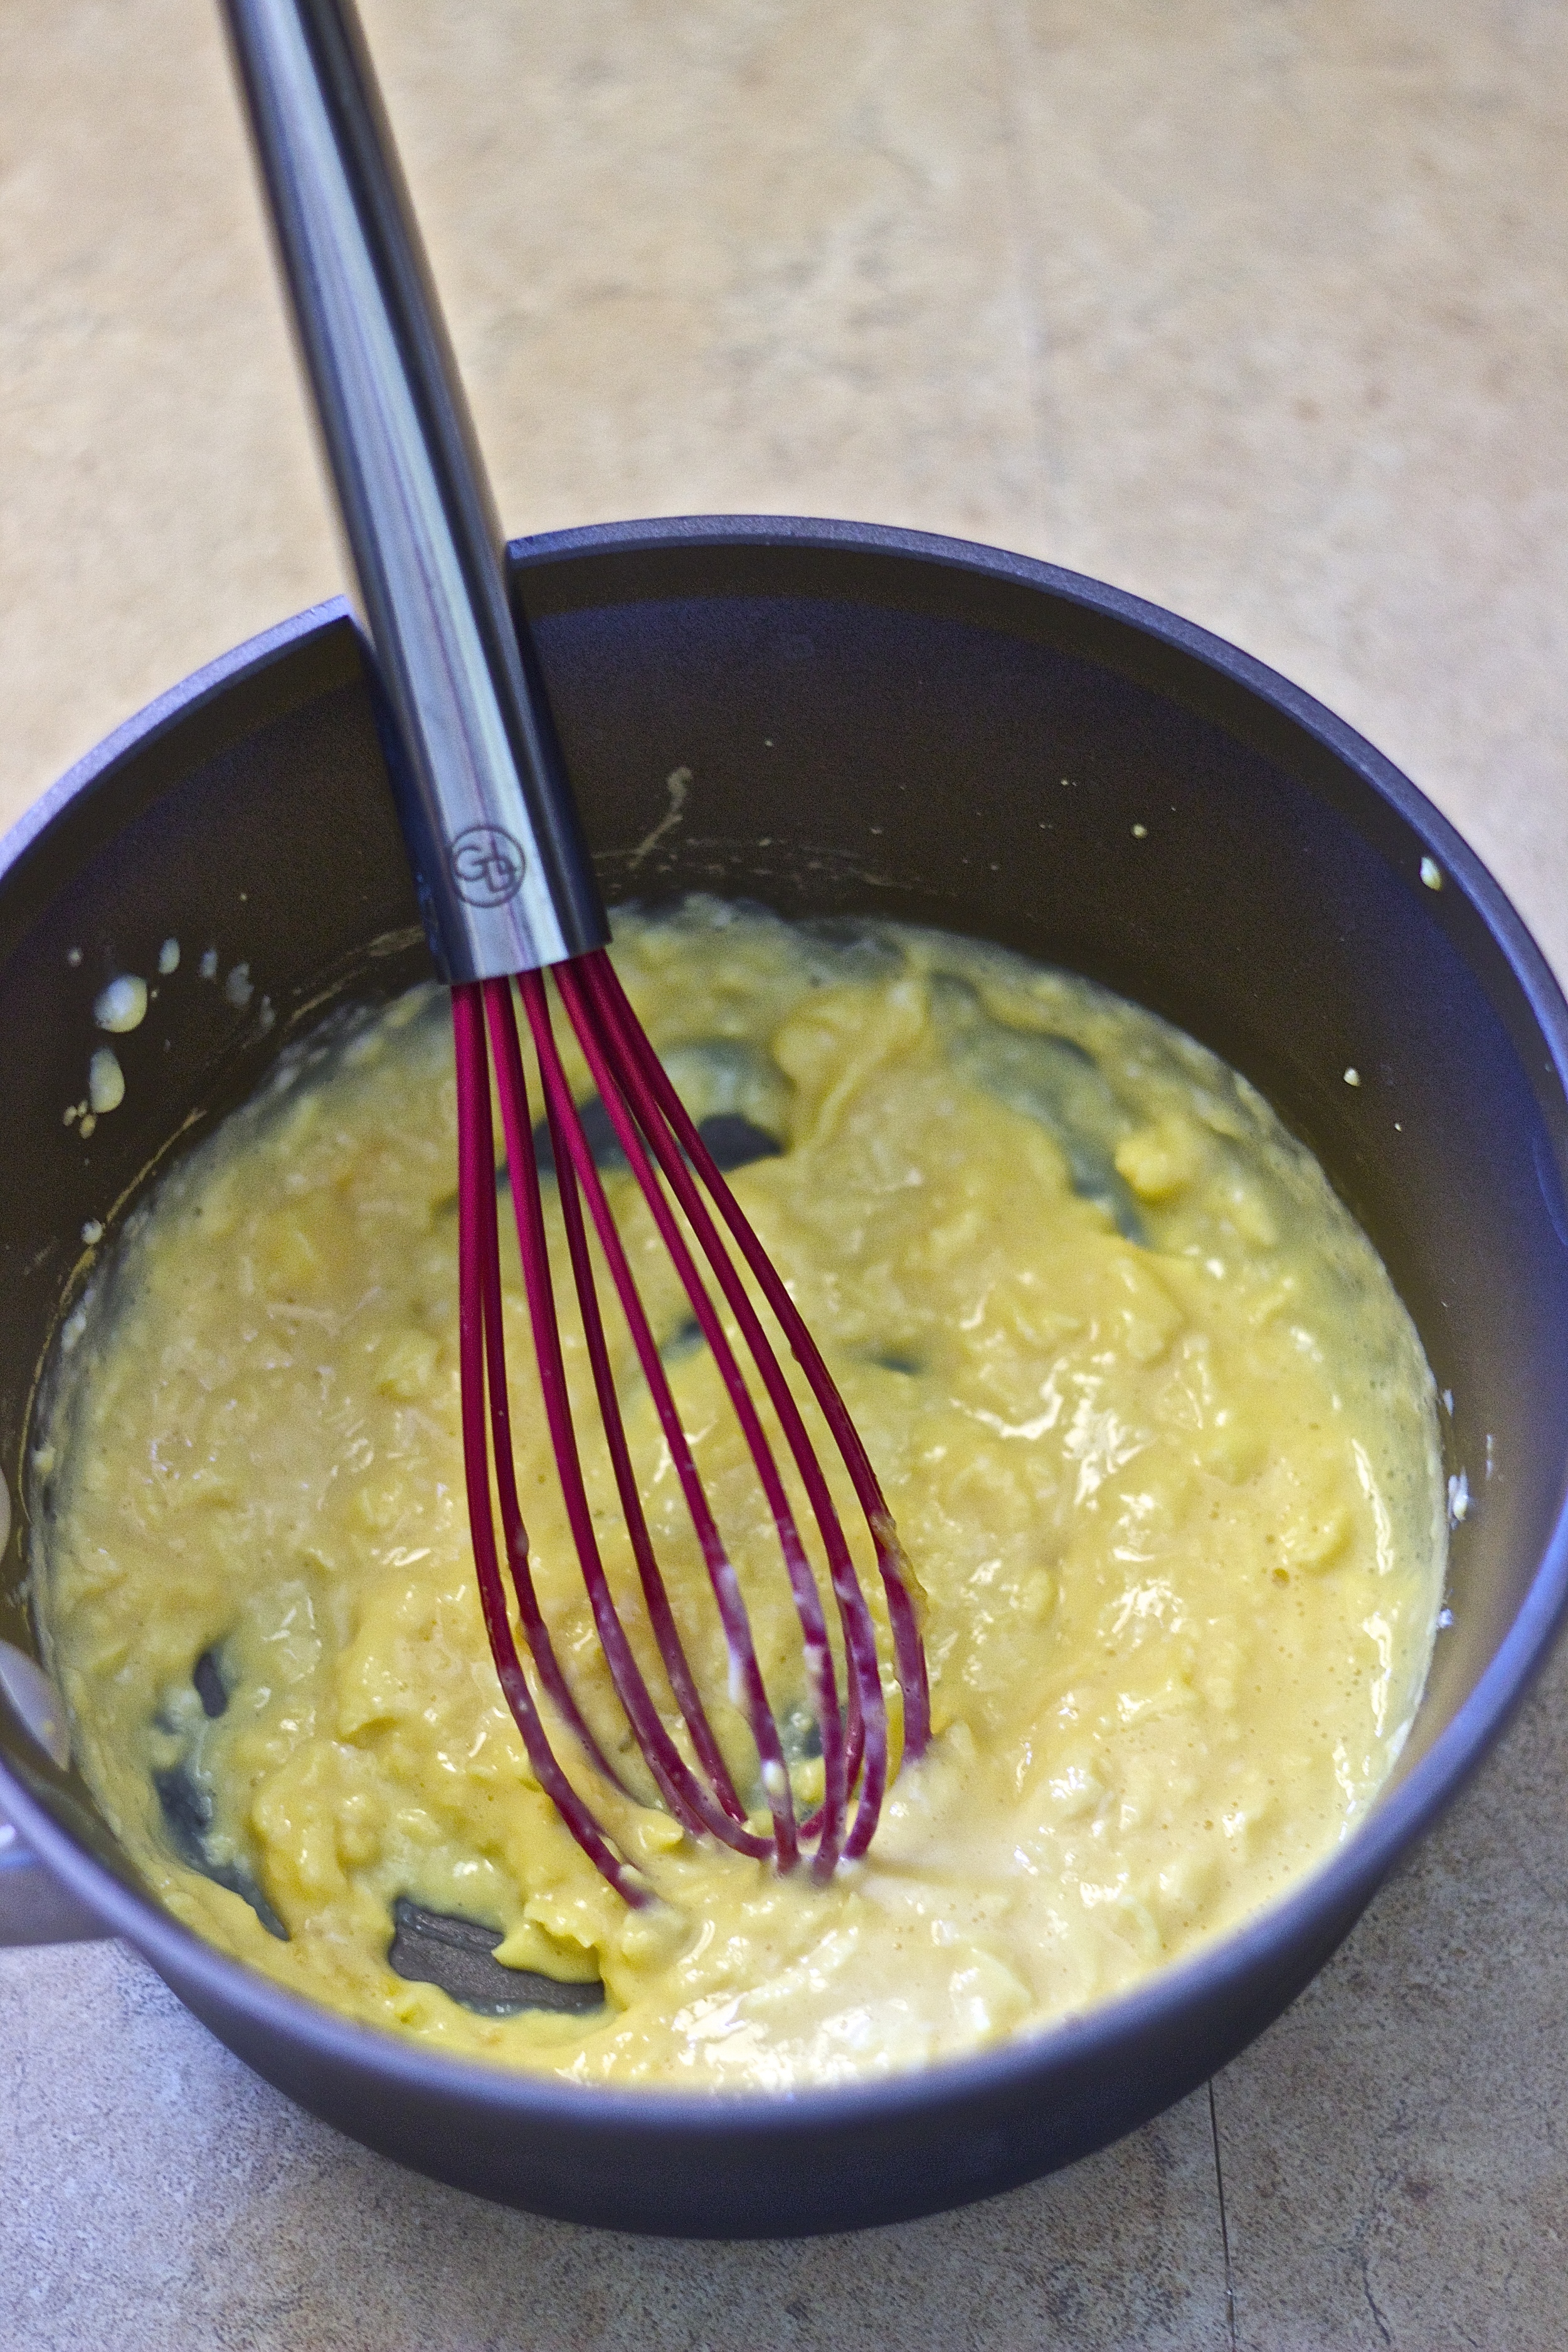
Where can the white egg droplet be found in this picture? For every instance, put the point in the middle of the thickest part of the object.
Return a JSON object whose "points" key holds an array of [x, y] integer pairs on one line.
{"points": [[105, 1081], [122, 1005]]}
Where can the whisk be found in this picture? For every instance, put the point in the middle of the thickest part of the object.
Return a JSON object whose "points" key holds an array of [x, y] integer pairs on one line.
{"points": [[508, 895]]}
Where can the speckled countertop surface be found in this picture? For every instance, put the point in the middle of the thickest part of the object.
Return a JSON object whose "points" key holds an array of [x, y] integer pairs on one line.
{"points": [[1257, 307]]}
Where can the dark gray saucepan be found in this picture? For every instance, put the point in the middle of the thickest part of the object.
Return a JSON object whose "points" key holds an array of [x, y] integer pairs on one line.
{"points": [[868, 721]]}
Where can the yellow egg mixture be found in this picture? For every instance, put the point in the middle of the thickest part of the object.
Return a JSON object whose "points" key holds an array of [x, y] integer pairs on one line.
{"points": [[1157, 1432]]}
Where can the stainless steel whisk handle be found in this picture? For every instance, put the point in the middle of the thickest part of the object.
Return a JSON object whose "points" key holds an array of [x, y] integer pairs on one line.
{"points": [[503, 871]]}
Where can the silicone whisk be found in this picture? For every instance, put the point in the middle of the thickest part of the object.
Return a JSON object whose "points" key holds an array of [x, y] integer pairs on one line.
{"points": [[515, 919]]}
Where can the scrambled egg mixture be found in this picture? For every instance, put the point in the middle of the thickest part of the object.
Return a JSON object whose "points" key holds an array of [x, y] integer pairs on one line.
{"points": [[1157, 1432]]}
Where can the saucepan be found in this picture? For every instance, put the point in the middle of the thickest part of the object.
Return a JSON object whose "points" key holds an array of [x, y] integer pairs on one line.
{"points": [[835, 720]]}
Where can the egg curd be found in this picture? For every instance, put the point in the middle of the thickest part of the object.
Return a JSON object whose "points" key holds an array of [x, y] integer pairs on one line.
{"points": [[1157, 1433]]}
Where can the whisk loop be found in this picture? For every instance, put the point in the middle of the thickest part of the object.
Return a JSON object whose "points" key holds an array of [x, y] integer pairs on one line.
{"points": [[690, 1204]]}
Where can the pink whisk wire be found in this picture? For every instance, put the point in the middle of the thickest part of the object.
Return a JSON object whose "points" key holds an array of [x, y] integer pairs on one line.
{"points": [[689, 1201]]}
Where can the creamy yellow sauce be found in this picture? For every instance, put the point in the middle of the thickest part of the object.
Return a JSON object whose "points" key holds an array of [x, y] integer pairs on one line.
{"points": [[1157, 1432]]}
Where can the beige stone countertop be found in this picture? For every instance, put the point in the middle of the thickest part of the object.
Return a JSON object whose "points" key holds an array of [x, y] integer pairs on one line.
{"points": [[1259, 308]]}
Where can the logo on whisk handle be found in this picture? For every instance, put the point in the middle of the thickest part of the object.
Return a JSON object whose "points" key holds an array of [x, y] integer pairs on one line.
{"points": [[487, 866]]}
